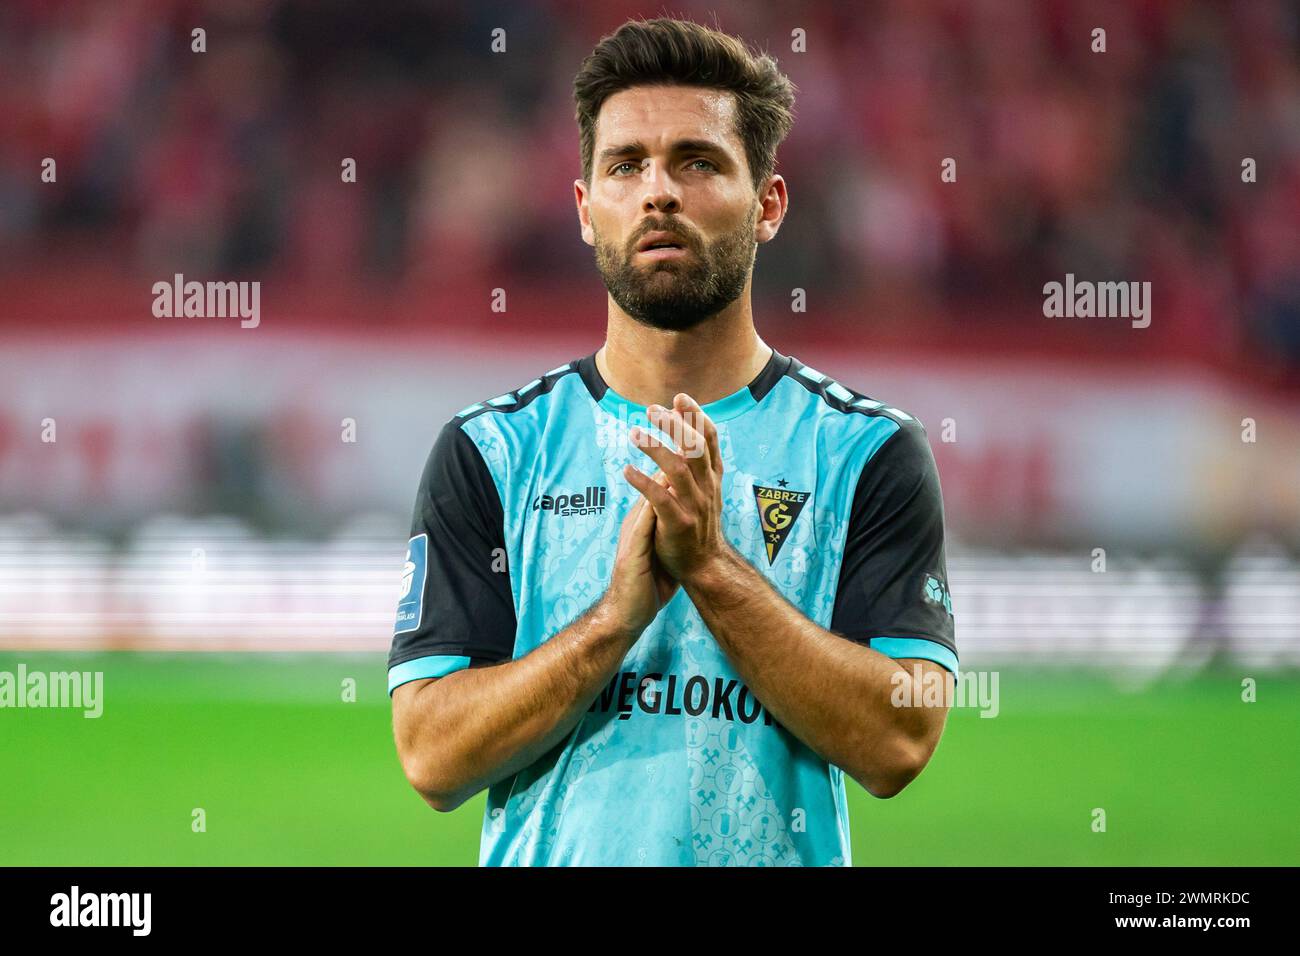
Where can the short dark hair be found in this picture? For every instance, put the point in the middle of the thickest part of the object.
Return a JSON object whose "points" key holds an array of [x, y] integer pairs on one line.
{"points": [[666, 51]]}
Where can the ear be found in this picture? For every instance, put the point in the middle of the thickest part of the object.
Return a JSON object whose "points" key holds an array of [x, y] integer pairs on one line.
{"points": [[581, 191], [773, 203]]}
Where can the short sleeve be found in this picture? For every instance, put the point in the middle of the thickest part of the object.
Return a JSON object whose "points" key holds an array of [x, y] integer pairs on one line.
{"points": [[456, 609], [893, 586]]}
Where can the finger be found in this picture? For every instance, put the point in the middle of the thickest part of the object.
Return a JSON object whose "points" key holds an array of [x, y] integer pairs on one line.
{"points": [[631, 521], [643, 524], [654, 491], [664, 503], [637, 537], [660, 477], [670, 463], [704, 424], [682, 426]]}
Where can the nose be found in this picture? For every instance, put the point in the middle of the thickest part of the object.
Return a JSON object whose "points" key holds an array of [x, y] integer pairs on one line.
{"points": [[660, 192]]}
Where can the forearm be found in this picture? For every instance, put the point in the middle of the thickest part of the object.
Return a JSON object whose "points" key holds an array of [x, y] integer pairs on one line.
{"points": [[834, 695], [461, 733]]}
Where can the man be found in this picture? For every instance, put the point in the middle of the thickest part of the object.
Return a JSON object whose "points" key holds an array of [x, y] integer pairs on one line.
{"points": [[678, 669]]}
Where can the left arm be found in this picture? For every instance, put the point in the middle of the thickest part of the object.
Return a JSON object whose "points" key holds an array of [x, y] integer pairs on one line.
{"points": [[836, 695]]}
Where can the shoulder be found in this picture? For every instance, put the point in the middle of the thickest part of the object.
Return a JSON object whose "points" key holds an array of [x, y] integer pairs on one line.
{"points": [[532, 395], [478, 442], [859, 420], [846, 400], [514, 416]]}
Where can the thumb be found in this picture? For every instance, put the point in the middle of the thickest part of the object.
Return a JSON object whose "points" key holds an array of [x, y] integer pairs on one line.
{"points": [[643, 523], [637, 524]]}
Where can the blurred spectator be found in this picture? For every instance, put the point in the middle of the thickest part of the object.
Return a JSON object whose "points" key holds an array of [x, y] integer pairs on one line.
{"points": [[1125, 165]]}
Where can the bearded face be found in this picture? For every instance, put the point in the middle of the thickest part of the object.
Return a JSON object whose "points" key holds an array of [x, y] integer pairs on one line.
{"points": [[677, 291]]}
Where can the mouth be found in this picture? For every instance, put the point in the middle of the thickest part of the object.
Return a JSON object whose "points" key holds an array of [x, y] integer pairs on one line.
{"points": [[663, 252], [661, 245]]}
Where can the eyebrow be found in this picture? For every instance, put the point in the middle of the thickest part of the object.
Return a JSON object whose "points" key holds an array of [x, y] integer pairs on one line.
{"points": [[680, 146]]}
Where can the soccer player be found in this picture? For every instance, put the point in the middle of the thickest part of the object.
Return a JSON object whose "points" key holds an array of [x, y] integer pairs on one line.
{"points": [[661, 599]]}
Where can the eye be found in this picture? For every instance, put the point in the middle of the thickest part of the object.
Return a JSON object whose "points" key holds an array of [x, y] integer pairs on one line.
{"points": [[627, 162], [706, 162]]}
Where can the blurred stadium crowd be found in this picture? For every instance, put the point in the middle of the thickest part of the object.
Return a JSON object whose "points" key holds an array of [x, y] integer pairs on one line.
{"points": [[199, 494], [1125, 165]]}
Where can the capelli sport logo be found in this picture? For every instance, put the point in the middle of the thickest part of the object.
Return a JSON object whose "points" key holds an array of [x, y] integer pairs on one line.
{"points": [[778, 508], [590, 501]]}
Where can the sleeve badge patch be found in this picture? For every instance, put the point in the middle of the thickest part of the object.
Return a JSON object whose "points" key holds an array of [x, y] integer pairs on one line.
{"points": [[410, 606]]}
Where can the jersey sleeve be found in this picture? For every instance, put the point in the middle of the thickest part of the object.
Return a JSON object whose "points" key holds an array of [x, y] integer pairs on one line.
{"points": [[456, 609], [893, 587]]}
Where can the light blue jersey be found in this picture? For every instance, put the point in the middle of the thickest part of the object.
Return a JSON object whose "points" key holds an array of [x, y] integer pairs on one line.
{"points": [[830, 495]]}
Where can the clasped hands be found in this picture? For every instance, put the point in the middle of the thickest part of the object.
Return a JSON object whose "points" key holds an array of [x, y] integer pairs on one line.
{"points": [[686, 494]]}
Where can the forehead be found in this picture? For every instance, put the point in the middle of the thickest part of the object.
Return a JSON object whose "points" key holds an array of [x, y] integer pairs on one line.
{"points": [[662, 114]]}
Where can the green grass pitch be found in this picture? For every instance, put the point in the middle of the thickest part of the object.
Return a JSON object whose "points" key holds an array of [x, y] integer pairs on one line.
{"points": [[290, 774]]}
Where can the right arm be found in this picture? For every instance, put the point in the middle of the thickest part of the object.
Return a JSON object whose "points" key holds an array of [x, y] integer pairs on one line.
{"points": [[460, 728], [460, 733]]}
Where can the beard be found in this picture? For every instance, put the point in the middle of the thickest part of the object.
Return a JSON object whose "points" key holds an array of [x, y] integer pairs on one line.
{"points": [[679, 294]]}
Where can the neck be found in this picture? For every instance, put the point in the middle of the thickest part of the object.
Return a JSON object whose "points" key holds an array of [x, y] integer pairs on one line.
{"points": [[711, 361]]}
